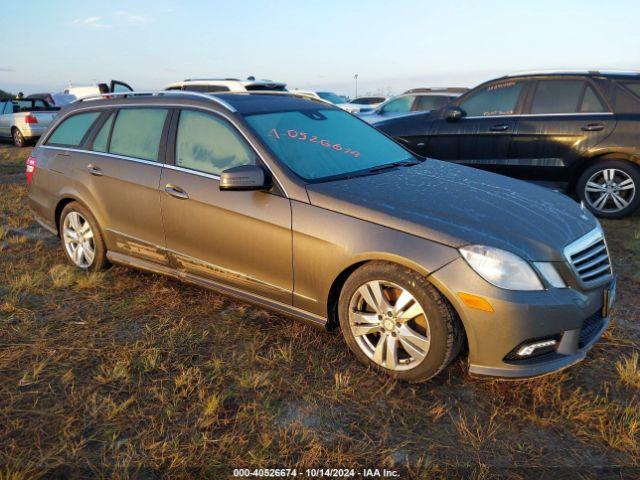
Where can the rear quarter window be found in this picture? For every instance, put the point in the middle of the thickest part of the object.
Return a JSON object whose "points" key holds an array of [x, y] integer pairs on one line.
{"points": [[71, 131]]}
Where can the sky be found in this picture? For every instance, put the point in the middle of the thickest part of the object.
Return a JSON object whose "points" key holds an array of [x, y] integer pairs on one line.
{"points": [[318, 45]]}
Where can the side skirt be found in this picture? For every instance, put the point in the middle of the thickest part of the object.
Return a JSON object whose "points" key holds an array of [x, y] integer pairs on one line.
{"points": [[288, 310]]}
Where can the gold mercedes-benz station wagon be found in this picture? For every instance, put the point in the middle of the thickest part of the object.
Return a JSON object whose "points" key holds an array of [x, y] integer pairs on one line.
{"points": [[295, 205]]}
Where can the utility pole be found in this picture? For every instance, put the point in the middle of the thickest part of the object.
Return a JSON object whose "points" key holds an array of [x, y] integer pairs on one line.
{"points": [[356, 79]]}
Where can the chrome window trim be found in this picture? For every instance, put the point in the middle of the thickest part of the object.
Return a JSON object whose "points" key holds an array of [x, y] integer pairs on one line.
{"points": [[112, 155], [194, 172], [576, 114], [163, 105]]}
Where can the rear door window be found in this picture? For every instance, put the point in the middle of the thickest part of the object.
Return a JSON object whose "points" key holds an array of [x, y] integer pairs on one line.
{"points": [[137, 132], [71, 131], [499, 98], [557, 96], [208, 144]]}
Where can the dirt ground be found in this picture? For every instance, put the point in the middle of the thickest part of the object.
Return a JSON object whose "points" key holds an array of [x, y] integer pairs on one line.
{"points": [[124, 374]]}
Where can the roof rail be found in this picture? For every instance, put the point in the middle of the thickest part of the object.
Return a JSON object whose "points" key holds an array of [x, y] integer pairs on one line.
{"points": [[438, 90], [290, 93], [577, 71], [211, 80], [159, 93]]}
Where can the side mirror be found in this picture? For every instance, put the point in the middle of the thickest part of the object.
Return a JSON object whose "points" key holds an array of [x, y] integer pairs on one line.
{"points": [[453, 114], [244, 177]]}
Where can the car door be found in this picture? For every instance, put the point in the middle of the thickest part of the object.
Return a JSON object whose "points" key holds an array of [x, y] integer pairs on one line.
{"points": [[121, 169], [116, 86], [562, 119], [481, 137], [241, 239]]}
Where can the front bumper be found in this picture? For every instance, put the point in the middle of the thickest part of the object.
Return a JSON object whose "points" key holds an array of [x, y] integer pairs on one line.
{"points": [[570, 316]]}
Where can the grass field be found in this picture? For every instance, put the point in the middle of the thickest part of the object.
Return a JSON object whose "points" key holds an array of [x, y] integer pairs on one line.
{"points": [[124, 374]]}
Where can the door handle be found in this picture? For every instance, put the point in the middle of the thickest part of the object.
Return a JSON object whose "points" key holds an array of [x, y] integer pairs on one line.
{"points": [[499, 128], [94, 170], [175, 191], [592, 127]]}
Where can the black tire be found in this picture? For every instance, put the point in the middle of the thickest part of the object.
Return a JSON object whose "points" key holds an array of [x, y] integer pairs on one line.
{"points": [[446, 333], [17, 137], [99, 261], [623, 167]]}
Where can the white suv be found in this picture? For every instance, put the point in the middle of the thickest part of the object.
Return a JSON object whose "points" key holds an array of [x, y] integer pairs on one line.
{"points": [[210, 85]]}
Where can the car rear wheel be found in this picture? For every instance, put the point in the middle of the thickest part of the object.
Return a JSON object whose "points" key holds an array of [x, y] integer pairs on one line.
{"points": [[18, 138], [81, 238], [394, 320], [609, 188]]}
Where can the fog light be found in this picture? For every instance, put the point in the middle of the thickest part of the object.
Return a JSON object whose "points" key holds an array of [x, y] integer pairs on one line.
{"points": [[527, 350]]}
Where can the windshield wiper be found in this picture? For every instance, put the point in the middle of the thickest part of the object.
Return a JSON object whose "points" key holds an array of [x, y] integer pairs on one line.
{"points": [[402, 163], [372, 170]]}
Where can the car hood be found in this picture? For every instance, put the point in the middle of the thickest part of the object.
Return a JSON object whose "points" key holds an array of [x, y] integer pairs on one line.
{"points": [[456, 206]]}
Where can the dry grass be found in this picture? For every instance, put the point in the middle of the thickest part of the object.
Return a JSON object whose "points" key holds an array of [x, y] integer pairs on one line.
{"points": [[629, 370], [128, 375]]}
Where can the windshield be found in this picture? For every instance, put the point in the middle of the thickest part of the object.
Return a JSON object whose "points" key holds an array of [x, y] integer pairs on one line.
{"points": [[330, 97], [325, 143]]}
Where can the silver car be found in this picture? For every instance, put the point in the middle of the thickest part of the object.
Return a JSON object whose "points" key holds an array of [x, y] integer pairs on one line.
{"points": [[25, 119]]}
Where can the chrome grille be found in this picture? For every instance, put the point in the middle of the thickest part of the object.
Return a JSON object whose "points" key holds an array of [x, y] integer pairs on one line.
{"points": [[589, 258]]}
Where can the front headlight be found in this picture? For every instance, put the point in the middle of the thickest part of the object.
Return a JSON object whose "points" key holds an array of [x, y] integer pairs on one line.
{"points": [[501, 268]]}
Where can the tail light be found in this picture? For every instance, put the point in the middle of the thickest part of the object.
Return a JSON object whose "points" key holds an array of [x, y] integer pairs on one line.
{"points": [[32, 163], [31, 118]]}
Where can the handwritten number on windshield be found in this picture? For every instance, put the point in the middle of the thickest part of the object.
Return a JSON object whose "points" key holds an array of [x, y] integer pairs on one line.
{"points": [[305, 137]]}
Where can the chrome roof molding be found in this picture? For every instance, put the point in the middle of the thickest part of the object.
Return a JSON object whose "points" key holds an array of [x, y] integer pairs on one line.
{"points": [[158, 93], [576, 71]]}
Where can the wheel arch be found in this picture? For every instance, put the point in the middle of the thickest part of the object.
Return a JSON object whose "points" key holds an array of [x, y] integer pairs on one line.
{"points": [[339, 281], [63, 202], [596, 157]]}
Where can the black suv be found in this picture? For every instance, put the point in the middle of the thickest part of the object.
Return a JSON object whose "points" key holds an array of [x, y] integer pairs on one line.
{"points": [[579, 131]]}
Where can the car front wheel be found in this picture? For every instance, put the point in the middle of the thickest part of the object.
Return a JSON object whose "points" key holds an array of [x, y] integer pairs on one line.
{"points": [[394, 320], [609, 188]]}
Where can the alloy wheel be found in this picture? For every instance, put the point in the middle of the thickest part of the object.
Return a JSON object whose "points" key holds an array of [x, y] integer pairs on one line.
{"points": [[389, 325], [78, 239], [17, 138], [610, 190]]}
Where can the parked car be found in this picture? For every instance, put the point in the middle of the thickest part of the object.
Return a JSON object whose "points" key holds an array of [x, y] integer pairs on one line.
{"points": [[212, 85], [338, 100], [362, 104], [410, 103], [76, 92], [577, 131], [53, 99], [25, 120], [297, 206]]}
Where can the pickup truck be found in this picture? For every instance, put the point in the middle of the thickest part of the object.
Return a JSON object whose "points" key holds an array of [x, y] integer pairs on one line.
{"points": [[24, 120]]}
